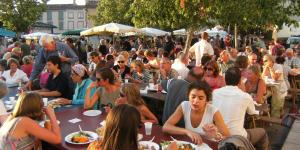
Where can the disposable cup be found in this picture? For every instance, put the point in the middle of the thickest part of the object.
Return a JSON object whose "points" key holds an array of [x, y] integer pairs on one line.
{"points": [[45, 101], [148, 128], [12, 98], [126, 80]]}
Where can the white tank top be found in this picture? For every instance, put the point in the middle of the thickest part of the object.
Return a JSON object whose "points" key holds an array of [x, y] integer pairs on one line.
{"points": [[208, 116]]}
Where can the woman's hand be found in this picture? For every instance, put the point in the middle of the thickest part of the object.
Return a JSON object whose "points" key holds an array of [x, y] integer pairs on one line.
{"points": [[49, 112], [210, 130], [62, 101], [120, 100], [195, 137]]}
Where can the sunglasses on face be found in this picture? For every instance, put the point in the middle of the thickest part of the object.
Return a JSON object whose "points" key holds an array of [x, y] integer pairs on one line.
{"points": [[208, 69], [98, 79], [120, 61]]}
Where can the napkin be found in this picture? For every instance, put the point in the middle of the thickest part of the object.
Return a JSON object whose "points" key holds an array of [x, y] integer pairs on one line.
{"points": [[75, 120]]}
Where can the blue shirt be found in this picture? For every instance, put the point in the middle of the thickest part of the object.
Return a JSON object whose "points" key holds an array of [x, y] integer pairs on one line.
{"points": [[42, 56], [80, 92]]}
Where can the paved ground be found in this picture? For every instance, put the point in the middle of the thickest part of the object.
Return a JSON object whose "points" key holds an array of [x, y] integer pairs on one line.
{"points": [[277, 133]]}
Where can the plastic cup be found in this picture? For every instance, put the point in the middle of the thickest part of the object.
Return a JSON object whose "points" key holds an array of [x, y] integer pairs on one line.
{"points": [[126, 80], [151, 85], [12, 99], [45, 101], [148, 128]]}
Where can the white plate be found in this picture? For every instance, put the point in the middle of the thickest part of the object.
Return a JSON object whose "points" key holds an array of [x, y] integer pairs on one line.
{"points": [[140, 136], [92, 113], [92, 134], [203, 146], [149, 144], [43, 122]]}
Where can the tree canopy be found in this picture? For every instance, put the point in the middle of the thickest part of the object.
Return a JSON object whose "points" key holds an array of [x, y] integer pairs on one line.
{"points": [[18, 15], [112, 11]]}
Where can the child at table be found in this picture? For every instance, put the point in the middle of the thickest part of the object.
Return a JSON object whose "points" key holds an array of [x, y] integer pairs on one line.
{"points": [[130, 94], [20, 131]]}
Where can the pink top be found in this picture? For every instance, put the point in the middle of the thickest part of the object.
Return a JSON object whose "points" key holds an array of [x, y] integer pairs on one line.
{"points": [[215, 82]]}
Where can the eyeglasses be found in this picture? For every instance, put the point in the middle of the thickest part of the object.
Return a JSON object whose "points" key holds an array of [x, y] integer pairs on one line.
{"points": [[208, 69], [120, 61], [99, 79]]}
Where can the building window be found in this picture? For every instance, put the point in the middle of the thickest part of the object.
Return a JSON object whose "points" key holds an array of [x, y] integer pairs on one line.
{"points": [[70, 25], [50, 22], [80, 15], [60, 15], [61, 25], [49, 15], [71, 15], [80, 24]]}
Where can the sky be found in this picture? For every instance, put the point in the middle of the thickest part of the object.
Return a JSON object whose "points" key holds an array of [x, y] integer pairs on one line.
{"points": [[79, 2]]}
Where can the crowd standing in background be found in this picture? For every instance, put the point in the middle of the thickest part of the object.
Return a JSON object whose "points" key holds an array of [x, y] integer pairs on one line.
{"points": [[209, 89]]}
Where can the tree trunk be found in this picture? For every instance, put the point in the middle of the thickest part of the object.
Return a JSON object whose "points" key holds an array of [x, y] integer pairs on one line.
{"points": [[190, 34], [235, 36]]}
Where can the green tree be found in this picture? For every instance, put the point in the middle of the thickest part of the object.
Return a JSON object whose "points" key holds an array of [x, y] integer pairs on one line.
{"points": [[18, 15], [112, 11], [255, 15], [170, 14]]}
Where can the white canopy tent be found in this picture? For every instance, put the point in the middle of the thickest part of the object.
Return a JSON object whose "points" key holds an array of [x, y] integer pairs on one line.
{"points": [[37, 35], [154, 32], [179, 32], [109, 28]]}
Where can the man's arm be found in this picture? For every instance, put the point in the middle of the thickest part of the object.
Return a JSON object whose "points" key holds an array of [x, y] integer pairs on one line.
{"points": [[70, 54], [38, 65]]}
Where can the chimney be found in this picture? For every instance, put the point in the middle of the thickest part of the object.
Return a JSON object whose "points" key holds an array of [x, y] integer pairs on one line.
{"points": [[74, 2]]}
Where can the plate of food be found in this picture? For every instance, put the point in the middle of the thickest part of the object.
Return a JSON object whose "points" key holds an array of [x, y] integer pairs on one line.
{"points": [[92, 113], [148, 145], [83, 137], [54, 104], [183, 145]]}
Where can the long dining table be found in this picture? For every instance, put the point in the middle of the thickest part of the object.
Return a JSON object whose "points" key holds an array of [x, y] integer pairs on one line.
{"points": [[88, 123]]}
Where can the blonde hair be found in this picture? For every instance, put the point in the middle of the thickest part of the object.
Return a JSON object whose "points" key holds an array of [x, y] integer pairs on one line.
{"points": [[138, 63], [132, 94], [29, 105], [255, 69], [125, 54]]}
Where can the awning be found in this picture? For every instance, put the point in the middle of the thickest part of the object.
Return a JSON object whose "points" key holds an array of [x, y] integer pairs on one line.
{"points": [[109, 28], [4, 32], [73, 32]]}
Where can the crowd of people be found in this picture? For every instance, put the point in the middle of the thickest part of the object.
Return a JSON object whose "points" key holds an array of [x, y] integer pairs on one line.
{"points": [[210, 97]]}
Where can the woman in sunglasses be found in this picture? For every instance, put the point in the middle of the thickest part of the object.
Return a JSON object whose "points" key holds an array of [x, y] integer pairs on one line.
{"points": [[212, 75], [130, 94], [121, 68], [107, 90]]}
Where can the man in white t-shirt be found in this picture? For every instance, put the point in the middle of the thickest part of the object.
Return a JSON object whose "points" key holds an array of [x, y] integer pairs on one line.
{"points": [[3, 92], [180, 65], [203, 47], [233, 104]]}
